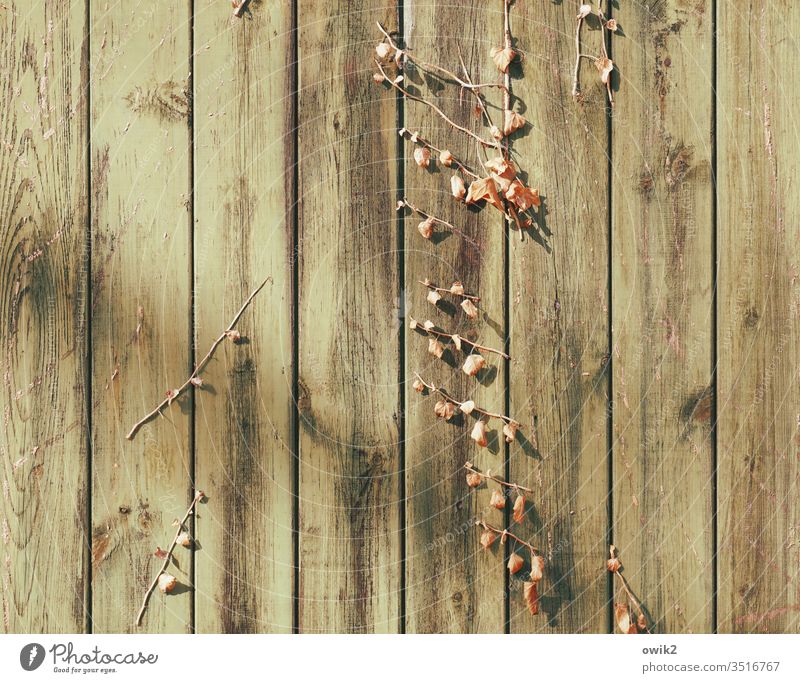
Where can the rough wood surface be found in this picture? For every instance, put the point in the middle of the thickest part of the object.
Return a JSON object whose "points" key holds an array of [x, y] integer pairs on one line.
{"points": [[244, 193], [43, 209], [449, 575], [349, 360], [559, 327], [662, 279], [140, 305], [758, 338]]}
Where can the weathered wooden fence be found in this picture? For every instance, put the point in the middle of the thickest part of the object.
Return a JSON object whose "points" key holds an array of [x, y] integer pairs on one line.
{"points": [[157, 160]]}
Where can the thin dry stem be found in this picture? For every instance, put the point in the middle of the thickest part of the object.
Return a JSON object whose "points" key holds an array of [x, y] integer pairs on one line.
{"points": [[506, 532], [435, 67], [576, 77], [444, 394], [418, 139], [444, 116], [488, 475], [450, 226], [430, 285], [174, 394], [198, 496], [474, 345]]}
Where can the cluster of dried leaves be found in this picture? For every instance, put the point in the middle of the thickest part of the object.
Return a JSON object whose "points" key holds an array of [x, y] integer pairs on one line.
{"points": [[496, 183]]}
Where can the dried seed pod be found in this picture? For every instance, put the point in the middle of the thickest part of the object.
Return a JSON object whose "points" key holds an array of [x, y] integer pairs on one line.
{"points": [[233, 335], [496, 133], [434, 297], [605, 66], [428, 325], [426, 228], [612, 25], [515, 563], [446, 157], [519, 508], [531, 594], [456, 341], [522, 195], [167, 583], [623, 618], [418, 385], [513, 122], [422, 156], [383, 50], [457, 188], [537, 567], [435, 347], [473, 364], [502, 57], [456, 288], [444, 409], [510, 431], [474, 479], [487, 538], [584, 11], [378, 78], [613, 565], [467, 407], [184, 539], [498, 500], [469, 308], [478, 434]]}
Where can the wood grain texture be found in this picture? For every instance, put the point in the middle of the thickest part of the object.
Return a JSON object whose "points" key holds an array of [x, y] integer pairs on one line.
{"points": [[349, 360], [43, 208], [141, 304], [662, 264], [453, 585], [244, 193], [758, 300], [559, 327]]}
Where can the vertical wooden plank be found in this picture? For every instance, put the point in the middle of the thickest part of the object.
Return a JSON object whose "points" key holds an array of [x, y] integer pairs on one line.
{"points": [[559, 326], [453, 585], [43, 205], [244, 192], [662, 265], [141, 304], [348, 350], [758, 303]]}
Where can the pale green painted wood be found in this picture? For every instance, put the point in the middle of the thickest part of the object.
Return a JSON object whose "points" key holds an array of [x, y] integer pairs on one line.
{"points": [[140, 293], [244, 193], [43, 209]]}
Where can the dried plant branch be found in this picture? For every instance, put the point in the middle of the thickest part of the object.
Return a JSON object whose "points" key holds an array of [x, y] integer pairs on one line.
{"points": [[417, 139], [488, 475], [505, 532], [193, 379], [434, 288], [456, 338], [461, 404], [181, 528], [426, 66], [615, 567], [444, 116], [401, 203], [603, 63]]}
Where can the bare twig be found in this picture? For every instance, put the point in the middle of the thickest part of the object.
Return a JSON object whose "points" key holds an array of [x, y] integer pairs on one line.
{"points": [[434, 67], [419, 140], [488, 475], [430, 285], [198, 496], [444, 116], [173, 394], [615, 567], [576, 76], [424, 214], [506, 532], [452, 336], [455, 401]]}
